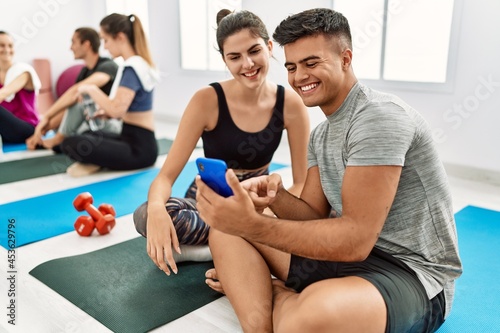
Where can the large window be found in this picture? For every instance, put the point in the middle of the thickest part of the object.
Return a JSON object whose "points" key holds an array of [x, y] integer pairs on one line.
{"points": [[400, 43], [403, 42], [198, 26]]}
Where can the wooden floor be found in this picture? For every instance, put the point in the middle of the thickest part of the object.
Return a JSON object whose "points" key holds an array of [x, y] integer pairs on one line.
{"points": [[40, 309]]}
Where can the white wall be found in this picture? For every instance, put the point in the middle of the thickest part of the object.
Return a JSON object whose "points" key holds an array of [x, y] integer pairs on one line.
{"points": [[43, 28], [466, 121], [467, 138], [178, 85]]}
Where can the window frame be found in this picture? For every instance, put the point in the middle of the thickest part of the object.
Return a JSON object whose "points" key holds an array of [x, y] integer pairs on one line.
{"points": [[211, 52], [448, 85]]}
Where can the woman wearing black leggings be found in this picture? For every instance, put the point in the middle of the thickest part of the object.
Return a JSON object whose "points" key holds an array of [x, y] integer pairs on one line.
{"points": [[131, 99], [19, 84]]}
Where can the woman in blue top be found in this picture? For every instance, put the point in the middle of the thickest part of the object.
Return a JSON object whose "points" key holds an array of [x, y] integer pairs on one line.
{"points": [[131, 99], [241, 121]]}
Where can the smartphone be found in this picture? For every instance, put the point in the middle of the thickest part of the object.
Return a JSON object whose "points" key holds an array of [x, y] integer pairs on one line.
{"points": [[213, 173]]}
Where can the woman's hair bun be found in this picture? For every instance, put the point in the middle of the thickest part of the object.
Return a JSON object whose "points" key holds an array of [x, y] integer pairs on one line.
{"points": [[221, 14]]}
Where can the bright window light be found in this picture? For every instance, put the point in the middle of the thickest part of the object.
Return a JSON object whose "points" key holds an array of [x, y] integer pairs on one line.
{"points": [[198, 42], [400, 40]]}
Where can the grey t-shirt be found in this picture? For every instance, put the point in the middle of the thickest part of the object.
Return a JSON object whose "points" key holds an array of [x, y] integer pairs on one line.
{"points": [[373, 128]]}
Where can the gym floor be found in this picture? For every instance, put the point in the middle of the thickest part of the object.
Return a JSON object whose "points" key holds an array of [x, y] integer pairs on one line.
{"points": [[40, 309]]}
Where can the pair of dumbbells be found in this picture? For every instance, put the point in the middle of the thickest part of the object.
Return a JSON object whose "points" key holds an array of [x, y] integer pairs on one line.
{"points": [[102, 218]]}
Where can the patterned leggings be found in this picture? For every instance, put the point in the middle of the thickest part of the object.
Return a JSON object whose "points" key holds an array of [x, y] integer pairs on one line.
{"points": [[190, 228]]}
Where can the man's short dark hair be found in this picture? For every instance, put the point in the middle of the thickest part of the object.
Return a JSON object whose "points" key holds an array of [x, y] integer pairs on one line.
{"points": [[313, 22], [89, 34]]}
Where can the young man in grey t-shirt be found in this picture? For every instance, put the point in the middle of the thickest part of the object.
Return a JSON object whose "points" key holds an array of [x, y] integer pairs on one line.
{"points": [[389, 259]]}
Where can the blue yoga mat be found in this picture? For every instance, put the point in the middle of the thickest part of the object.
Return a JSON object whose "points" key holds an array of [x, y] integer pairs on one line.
{"points": [[477, 293], [53, 214], [11, 147]]}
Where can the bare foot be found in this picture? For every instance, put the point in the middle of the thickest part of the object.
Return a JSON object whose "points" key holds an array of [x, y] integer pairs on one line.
{"points": [[78, 169], [213, 282], [53, 141], [33, 141]]}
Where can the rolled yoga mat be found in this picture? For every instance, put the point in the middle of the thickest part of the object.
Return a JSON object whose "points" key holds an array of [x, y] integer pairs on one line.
{"points": [[12, 147]]}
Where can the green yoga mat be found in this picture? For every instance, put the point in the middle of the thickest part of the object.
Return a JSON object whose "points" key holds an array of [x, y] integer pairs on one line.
{"points": [[124, 276], [121, 287], [13, 171]]}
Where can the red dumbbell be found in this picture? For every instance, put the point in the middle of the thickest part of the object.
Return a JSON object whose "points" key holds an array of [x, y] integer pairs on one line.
{"points": [[102, 218], [84, 225]]}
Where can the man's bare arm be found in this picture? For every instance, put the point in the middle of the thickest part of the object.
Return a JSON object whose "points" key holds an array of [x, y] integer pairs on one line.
{"points": [[367, 196]]}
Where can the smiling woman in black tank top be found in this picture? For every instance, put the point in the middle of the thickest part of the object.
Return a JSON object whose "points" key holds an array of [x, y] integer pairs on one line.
{"points": [[240, 120]]}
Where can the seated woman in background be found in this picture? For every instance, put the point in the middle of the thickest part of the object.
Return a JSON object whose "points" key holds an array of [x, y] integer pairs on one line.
{"points": [[240, 121], [19, 85], [131, 99]]}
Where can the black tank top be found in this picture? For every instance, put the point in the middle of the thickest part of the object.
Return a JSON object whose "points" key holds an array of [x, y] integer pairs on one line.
{"points": [[239, 149]]}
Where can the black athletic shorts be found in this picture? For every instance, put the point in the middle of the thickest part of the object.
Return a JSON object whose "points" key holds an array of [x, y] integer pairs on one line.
{"points": [[408, 307]]}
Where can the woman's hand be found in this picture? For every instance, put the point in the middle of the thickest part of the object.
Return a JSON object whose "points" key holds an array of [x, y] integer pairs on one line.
{"points": [[86, 88], [161, 238], [100, 114], [3, 95]]}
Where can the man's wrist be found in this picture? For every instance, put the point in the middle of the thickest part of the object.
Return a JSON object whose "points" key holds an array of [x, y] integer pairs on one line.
{"points": [[254, 228], [279, 194]]}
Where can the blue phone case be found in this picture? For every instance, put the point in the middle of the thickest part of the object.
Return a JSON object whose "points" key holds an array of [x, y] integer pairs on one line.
{"points": [[213, 173]]}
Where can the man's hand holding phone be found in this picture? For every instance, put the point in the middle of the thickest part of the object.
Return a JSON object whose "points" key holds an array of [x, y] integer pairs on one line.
{"points": [[213, 173]]}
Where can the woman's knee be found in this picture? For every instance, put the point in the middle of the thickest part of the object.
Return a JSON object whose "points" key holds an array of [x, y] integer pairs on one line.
{"points": [[140, 219]]}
